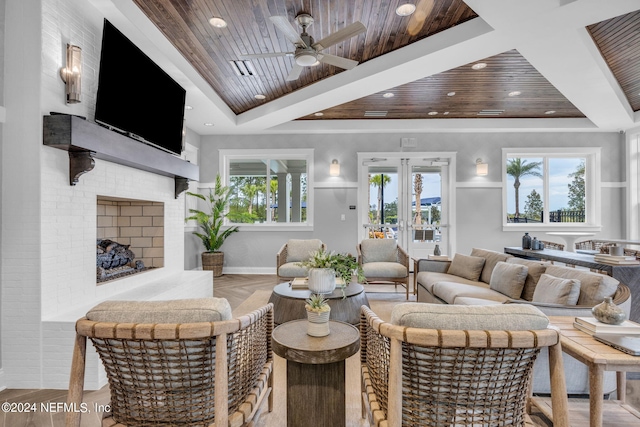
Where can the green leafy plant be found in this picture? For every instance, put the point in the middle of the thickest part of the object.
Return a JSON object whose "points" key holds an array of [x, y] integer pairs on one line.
{"points": [[317, 303], [344, 265], [211, 232]]}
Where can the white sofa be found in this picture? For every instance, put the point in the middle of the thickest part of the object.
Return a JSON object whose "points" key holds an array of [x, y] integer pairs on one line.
{"points": [[487, 277]]}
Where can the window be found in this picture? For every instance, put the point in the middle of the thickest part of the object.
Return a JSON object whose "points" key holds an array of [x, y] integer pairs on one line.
{"points": [[269, 187], [551, 188]]}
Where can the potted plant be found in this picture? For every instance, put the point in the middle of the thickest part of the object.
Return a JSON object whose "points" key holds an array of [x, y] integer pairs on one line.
{"points": [[318, 312], [324, 267], [212, 233]]}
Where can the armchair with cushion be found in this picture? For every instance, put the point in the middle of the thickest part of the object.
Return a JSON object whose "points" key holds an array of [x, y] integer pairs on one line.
{"points": [[176, 362], [444, 365], [291, 253], [382, 260]]}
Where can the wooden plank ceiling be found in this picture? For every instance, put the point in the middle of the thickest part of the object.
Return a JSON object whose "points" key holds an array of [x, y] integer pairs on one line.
{"points": [[458, 93]]}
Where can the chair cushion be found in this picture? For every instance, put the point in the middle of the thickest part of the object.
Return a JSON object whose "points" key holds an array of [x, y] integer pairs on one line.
{"points": [[292, 269], [172, 311], [594, 287], [534, 271], [428, 279], [508, 279], [384, 269], [513, 317], [379, 250], [491, 259], [556, 290], [300, 249], [469, 267]]}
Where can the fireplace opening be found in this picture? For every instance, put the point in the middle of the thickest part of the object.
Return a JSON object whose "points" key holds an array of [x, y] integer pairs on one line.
{"points": [[130, 237]]}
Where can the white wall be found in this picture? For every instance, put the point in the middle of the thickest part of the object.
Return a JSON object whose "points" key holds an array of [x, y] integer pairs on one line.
{"points": [[479, 199]]}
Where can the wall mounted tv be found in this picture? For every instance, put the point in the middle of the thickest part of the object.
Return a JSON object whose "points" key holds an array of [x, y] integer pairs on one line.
{"points": [[137, 97]]}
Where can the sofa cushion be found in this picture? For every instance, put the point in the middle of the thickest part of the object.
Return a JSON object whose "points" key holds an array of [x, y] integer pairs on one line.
{"points": [[384, 269], [427, 279], [491, 259], [449, 291], [172, 311], [300, 249], [508, 279], [467, 266], [379, 250], [534, 271], [292, 269], [594, 287], [513, 317], [556, 290], [476, 301]]}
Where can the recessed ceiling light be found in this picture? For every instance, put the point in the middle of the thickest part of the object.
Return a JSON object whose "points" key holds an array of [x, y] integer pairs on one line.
{"points": [[188, 107], [446, 113], [405, 9], [388, 95], [479, 66], [319, 113], [451, 94], [432, 113], [208, 124], [218, 22], [550, 112], [259, 96], [515, 93]]}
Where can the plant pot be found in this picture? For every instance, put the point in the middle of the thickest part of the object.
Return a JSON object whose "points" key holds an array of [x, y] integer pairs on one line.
{"points": [[213, 261], [322, 280], [318, 323]]}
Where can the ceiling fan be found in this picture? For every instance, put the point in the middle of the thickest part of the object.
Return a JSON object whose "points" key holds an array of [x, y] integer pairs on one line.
{"points": [[307, 51]]}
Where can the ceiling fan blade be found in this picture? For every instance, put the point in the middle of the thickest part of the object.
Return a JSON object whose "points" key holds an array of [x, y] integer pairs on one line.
{"points": [[295, 72], [340, 35], [265, 55], [338, 61], [285, 27]]}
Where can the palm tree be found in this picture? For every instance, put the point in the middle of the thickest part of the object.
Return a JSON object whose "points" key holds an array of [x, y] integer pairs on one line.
{"points": [[417, 188], [380, 181], [519, 168]]}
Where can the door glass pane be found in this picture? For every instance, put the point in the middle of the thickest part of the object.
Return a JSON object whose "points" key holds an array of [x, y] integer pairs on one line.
{"points": [[383, 201], [426, 203], [566, 189], [525, 189]]}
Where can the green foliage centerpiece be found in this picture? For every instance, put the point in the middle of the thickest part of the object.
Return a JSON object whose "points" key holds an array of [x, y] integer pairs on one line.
{"points": [[211, 222], [318, 312], [326, 266]]}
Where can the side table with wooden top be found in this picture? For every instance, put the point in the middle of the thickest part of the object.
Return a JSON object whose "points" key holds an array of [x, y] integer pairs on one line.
{"points": [[599, 358], [315, 371]]}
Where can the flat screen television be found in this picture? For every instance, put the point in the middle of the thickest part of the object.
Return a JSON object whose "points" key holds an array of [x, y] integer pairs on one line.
{"points": [[135, 96]]}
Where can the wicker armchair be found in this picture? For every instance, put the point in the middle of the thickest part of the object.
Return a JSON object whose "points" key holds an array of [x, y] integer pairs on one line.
{"points": [[414, 376], [383, 261], [200, 368], [292, 252]]}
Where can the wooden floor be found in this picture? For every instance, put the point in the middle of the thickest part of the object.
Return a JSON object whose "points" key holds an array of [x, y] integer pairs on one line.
{"points": [[237, 289]]}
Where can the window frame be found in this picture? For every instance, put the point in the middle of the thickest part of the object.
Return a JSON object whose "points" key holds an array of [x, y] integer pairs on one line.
{"points": [[593, 183], [307, 154]]}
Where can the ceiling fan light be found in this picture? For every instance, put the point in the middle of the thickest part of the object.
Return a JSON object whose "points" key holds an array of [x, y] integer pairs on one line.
{"points": [[306, 59], [405, 9]]}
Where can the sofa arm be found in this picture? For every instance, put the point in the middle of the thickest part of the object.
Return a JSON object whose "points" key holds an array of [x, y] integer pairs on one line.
{"points": [[431, 265]]}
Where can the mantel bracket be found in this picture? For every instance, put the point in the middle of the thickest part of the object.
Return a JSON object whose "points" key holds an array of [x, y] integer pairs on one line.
{"points": [[182, 184], [80, 162]]}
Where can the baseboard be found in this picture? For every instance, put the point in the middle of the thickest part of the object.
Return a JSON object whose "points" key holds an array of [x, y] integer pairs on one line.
{"points": [[249, 270]]}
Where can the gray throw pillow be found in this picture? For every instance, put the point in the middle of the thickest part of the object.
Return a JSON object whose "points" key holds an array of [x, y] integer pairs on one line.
{"points": [[555, 290], [491, 259], [535, 270], [466, 266], [508, 279]]}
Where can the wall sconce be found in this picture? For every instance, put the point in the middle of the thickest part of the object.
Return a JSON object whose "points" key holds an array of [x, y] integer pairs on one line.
{"points": [[72, 73], [334, 168], [482, 169]]}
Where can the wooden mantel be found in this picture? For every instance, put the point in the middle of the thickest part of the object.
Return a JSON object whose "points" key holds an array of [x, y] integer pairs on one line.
{"points": [[85, 141]]}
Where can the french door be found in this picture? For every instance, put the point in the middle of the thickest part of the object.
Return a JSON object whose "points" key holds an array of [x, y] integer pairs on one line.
{"points": [[407, 197]]}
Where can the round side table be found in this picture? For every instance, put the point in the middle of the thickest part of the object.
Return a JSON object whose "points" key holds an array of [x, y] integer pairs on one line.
{"points": [[315, 371]]}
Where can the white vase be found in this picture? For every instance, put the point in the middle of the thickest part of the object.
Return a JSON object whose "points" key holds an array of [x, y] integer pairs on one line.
{"points": [[322, 280], [318, 323]]}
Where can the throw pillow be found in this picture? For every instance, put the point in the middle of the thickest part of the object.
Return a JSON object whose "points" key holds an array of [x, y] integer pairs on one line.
{"points": [[300, 249], [491, 259], [555, 290], [466, 266], [508, 279], [535, 269]]}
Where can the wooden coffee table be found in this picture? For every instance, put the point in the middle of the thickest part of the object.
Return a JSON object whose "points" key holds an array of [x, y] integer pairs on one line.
{"points": [[315, 371], [288, 304], [599, 358]]}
